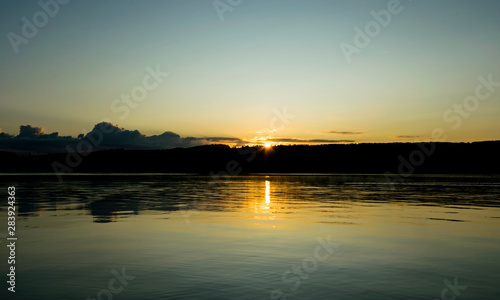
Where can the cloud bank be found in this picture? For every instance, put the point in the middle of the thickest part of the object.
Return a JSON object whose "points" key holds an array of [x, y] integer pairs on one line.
{"points": [[103, 136], [106, 136]]}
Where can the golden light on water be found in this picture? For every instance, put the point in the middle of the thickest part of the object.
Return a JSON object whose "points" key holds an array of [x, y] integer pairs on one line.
{"points": [[268, 193]]}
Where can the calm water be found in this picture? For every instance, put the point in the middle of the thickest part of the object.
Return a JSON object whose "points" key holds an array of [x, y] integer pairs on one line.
{"points": [[254, 237]]}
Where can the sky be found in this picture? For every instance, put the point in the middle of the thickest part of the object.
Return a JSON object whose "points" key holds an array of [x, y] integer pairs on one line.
{"points": [[254, 71]]}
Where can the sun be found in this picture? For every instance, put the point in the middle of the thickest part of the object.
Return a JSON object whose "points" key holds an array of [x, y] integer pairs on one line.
{"points": [[267, 145]]}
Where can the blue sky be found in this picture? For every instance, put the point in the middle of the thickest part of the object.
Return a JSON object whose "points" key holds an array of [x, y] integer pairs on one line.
{"points": [[227, 77]]}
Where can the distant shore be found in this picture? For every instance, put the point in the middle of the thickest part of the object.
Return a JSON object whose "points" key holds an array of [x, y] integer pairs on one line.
{"points": [[398, 160]]}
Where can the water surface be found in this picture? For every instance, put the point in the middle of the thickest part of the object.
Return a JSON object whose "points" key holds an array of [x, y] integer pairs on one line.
{"points": [[255, 237]]}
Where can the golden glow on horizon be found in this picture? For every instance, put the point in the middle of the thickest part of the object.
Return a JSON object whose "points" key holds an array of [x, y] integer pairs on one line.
{"points": [[267, 145]]}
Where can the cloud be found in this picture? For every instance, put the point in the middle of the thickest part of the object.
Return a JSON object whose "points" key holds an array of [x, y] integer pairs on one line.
{"points": [[105, 136], [225, 140], [113, 136], [407, 136], [30, 131], [109, 135], [307, 141], [343, 132], [4, 135], [34, 139]]}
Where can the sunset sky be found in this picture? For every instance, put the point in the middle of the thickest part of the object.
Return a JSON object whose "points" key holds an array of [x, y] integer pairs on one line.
{"points": [[228, 76]]}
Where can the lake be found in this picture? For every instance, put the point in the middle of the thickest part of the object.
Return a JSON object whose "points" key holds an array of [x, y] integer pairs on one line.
{"points": [[126, 236]]}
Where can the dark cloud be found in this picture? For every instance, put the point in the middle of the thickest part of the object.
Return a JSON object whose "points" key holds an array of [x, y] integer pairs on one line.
{"points": [[106, 136], [4, 135], [343, 132], [115, 137], [103, 136], [34, 139], [28, 131]]}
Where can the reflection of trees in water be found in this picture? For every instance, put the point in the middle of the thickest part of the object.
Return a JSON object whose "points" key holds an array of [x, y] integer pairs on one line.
{"points": [[109, 210], [109, 198], [30, 201], [123, 205]]}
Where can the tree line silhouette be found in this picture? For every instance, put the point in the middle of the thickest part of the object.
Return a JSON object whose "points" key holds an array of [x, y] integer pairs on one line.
{"points": [[370, 158]]}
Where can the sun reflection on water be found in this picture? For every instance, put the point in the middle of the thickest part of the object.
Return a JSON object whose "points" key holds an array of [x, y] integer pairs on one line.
{"points": [[268, 193]]}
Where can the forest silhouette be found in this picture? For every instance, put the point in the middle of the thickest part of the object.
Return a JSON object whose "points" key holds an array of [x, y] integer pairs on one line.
{"points": [[400, 159]]}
